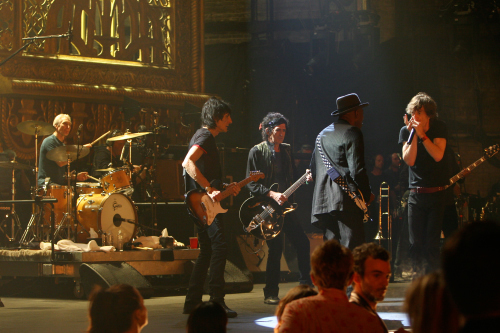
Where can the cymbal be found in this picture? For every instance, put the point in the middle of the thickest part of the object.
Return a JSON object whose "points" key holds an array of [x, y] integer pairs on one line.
{"points": [[32, 127], [106, 170], [128, 136], [61, 154], [14, 165]]}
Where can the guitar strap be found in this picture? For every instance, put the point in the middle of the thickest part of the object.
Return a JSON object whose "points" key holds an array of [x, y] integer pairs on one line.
{"points": [[330, 169]]}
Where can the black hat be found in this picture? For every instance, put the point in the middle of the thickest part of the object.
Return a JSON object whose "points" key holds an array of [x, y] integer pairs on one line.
{"points": [[347, 104]]}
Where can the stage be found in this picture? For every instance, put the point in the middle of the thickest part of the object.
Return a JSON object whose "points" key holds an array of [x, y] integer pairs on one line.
{"points": [[58, 312]]}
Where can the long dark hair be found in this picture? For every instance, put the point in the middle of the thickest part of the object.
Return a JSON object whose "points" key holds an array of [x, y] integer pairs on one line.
{"points": [[213, 110], [111, 310], [270, 121]]}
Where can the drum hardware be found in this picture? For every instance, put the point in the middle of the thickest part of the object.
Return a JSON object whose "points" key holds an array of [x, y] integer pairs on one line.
{"points": [[13, 214], [36, 128], [384, 192]]}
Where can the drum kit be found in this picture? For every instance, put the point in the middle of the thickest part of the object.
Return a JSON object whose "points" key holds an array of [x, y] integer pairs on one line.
{"points": [[104, 206]]}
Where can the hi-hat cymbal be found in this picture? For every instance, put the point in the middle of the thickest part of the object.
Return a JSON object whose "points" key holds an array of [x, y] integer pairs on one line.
{"points": [[128, 136], [33, 127], [14, 165], [61, 154]]}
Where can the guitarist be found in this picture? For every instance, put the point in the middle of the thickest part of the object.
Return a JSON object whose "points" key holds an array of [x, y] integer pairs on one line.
{"points": [[202, 165], [424, 155], [274, 159], [342, 142]]}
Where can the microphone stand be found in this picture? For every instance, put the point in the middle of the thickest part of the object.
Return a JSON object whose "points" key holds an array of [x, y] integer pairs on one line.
{"points": [[31, 40]]}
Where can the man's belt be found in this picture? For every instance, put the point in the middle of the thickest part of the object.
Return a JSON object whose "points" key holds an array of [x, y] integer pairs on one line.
{"points": [[427, 189]]}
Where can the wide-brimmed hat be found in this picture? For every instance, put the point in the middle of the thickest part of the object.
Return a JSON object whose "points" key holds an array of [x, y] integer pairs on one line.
{"points": [[348, 103]]}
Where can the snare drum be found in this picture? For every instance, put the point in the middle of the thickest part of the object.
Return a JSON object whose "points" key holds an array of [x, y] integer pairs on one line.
{"points": [[117, 181], [61, 193], [106, 213], [87, 188]]}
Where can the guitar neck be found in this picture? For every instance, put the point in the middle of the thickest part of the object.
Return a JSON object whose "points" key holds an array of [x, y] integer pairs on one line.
{"points": [[295, 186], [223, 195], [462, 173]]}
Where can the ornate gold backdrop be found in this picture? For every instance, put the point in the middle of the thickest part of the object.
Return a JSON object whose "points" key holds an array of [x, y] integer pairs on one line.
{"points": [[148, 50]]}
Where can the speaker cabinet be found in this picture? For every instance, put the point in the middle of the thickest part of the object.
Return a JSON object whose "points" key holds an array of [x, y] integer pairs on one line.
{"points": [[236, 280], [108, 274]]}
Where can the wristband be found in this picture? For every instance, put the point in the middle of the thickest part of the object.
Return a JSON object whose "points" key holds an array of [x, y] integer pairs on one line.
{"points": [[424, 138]]}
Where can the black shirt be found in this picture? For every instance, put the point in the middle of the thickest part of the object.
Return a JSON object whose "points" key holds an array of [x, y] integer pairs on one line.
{"points": [[426, 172], [102, 159], [49, 168], [209, 163]]}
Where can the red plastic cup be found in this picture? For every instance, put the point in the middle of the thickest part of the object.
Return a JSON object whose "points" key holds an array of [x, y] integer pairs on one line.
{"points": [[193, 242]]}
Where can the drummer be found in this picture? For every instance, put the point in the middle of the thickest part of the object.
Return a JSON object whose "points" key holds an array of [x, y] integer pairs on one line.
{"points": [[108, 156], [51, 169]]}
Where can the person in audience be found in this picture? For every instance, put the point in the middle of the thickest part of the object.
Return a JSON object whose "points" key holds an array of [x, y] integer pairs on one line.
{"points": [[300, 291], [372, 271], [330, 310], [430, 307], [118, 309], [471, 271], [207, 317]]}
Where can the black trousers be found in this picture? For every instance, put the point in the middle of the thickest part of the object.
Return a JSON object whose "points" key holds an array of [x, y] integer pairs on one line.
{"points": [[293, 231], [425, 219], [213, 253], [344, 226]]}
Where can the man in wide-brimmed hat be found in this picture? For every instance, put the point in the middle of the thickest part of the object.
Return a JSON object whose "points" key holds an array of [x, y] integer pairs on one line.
{"points": [[342, 146]]}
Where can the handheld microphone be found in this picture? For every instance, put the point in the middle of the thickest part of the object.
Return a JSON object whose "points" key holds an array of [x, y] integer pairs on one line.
{"points": [[410, 138], [79, 129]]}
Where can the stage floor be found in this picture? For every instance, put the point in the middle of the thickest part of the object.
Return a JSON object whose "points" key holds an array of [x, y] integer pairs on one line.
{"points": [[46, 314]]}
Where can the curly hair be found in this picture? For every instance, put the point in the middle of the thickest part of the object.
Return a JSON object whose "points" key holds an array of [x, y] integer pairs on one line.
{"points": [[214, 110], [366, 250], [419, 100], [270, 121], [331, 265]]}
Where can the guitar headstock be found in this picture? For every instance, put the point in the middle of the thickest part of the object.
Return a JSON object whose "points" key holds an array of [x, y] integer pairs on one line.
{"points": [[492, 150], [256, 175]]}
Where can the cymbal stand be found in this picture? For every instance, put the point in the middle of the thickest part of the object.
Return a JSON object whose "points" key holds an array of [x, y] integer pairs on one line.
{"points": [[76, 223], [154, 221], [13, 215], [36, 211]]}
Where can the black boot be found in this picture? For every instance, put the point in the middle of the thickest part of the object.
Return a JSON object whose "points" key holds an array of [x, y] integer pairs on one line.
{"points": [[230, 313]]}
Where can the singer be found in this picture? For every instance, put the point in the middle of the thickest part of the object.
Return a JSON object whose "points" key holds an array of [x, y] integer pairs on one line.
{"points": [[424, 141], [56, 170]]}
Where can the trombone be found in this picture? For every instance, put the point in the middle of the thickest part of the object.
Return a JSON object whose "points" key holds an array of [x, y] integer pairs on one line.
{"points": [[384, 210]]}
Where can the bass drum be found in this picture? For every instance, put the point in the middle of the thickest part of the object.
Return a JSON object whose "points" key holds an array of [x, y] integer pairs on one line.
{"points": [[107, 213]]}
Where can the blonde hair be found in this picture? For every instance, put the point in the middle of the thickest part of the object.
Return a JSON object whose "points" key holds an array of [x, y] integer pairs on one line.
{"points": [[59, 119], [430, 307]]}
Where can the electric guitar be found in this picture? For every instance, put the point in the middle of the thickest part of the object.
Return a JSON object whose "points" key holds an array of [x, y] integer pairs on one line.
{"points": [[261, 215], [488, 152], [204, 210]]}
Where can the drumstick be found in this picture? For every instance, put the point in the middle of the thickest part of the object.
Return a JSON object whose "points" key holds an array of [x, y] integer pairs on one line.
{"points": [[99, 138], [98, 180]]}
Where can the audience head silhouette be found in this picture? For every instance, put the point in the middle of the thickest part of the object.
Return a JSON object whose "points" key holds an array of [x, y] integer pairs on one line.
{"points": [[118, 309], [332, 266], [207, 317], [430, 307]]}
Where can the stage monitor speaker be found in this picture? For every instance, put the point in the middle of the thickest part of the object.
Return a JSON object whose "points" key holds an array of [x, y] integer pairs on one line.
{"points": [[108, 274], [236, 280]]}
